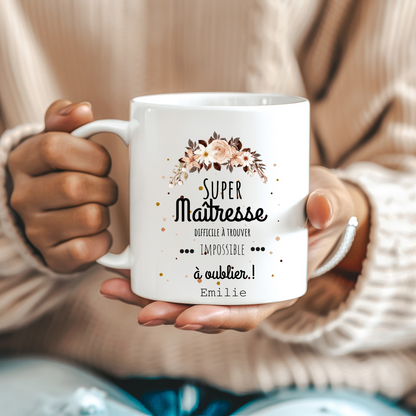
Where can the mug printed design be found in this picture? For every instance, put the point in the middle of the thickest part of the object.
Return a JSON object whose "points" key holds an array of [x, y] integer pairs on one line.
{"points": [[217, 153]]}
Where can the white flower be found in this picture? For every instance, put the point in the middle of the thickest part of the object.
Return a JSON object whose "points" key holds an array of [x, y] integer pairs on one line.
{"points": [[205, 154], [180, 183], [247, 158], [183, 169], [170, 185]]}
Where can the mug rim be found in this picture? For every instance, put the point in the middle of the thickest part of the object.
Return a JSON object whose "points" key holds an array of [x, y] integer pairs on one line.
{"points": [[165, 100]]}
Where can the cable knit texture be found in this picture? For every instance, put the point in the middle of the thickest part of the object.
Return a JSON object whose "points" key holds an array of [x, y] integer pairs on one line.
{"points": [[353, 60]]}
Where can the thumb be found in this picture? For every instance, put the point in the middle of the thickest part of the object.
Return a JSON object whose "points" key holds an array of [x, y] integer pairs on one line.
{"points": [[321, 208], [63, 115]]}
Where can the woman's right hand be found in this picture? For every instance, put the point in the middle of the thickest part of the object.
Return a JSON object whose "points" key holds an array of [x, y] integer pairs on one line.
{"points": [[61, 190]]}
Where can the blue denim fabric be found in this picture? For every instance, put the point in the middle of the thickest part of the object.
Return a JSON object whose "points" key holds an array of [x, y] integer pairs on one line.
{"points": [[28, 384]]}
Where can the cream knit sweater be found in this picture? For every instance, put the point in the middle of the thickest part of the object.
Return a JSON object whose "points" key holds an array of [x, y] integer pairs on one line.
{"points": [[354, 60]]}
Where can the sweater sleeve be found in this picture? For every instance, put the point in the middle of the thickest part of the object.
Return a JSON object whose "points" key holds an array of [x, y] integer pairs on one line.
{"points": [[28, 288], [371, 102]]}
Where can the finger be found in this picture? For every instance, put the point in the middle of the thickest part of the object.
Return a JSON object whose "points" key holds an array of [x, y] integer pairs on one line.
{"points": [[329, 203], [54, 151], [240, 318], [161, 313], [119, 289], [46, 229], [63, 190], [63, 115], [78, 253], [321, 208]]}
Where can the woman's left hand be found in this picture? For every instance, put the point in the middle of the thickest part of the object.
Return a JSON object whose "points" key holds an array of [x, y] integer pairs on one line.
{"points": [[329, 207]]}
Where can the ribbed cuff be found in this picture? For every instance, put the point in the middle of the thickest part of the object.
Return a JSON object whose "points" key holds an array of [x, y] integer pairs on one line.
{"points": [[380, 312]]}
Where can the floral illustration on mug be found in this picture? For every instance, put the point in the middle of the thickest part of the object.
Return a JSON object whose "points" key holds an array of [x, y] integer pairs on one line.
{"points": [[217, 153]]}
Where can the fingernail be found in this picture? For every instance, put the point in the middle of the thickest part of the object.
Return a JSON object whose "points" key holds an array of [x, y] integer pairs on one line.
{"points": [[154, 322], [190, 327], [110, 296], [331, 212], [68, 109]]}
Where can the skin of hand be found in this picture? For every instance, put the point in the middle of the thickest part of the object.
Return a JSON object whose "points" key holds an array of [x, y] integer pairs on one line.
{"points": [[330, 205], [61, 190]]}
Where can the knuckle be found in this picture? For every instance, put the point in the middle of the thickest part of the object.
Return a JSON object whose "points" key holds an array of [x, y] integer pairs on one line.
{"points": [[112, 192], [51, 148], [94, 217], [73, 186], [103, 161], [13, 161], [79, 251], [18, 200], [34, 235]]}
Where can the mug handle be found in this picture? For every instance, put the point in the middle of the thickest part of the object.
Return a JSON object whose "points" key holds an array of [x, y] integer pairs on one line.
{"points": [[121, 128]]}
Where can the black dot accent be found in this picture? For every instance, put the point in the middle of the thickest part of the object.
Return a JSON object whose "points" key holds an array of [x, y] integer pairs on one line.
{"points": [[187, 251], [258, 248]]}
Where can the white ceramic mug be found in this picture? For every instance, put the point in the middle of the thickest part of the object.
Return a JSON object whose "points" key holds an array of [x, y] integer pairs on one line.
{"points": [[218, 185]]}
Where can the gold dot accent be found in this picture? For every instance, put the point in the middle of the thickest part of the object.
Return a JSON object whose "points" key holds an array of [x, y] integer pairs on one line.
{"points": [[274, 164], [163, 177], [277, 238], [200, 188], [186, 275], [163, 229], [218, 283], [160, 274], [167, 280], [157, 204], [277, 180], [272, 275], [164, 219], [199, 280], [271, 252], [167, 160]]}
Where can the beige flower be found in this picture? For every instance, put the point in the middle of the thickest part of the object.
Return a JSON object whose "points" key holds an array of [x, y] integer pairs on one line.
{"points": [[190, 160], [221, 151], [235, 157]]}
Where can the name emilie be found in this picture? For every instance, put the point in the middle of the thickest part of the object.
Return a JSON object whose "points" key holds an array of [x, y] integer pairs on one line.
{"points": [[218, 293], [210, 212]]}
